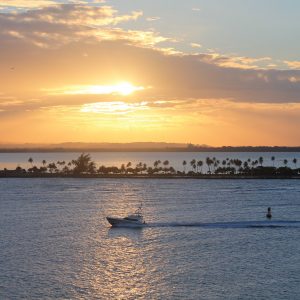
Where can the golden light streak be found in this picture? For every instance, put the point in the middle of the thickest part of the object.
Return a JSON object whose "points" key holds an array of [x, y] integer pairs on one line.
{"points": [[122, 88], [115, 107]]}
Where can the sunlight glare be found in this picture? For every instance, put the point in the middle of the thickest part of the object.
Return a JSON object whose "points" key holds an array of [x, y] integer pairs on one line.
{"points": [[122, 88], [126, 88]]}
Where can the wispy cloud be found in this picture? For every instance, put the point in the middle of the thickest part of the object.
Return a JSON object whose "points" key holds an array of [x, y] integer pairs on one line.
{"points": [[195, 45], [151, 19], [240, 62], [113, 107]]}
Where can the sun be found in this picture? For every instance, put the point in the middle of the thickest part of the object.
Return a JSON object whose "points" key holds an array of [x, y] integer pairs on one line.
{"points": [[126, 88]]}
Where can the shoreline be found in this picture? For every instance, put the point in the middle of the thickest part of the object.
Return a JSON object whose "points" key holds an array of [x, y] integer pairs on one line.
{"points": [[144, 176]]}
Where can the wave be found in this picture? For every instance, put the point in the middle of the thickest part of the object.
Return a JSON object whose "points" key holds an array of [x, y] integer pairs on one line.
{"points": [[238, 224]]}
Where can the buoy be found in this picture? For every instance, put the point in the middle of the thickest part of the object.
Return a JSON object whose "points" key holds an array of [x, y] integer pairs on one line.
{"points": [[269, 213]]}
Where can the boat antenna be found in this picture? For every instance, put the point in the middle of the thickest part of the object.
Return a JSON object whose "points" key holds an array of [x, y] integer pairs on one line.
{"points": [[139, 210]]}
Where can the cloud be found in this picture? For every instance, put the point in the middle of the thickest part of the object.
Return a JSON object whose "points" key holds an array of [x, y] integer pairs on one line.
{"points": [[86, 47], [295, 64], [171, 77], [79, 45], [151, 19], [294, 79], [216, 121], [72, 14], [26, 3], [62, 24], [115, 107], [240, 62], [37, 4], [195, 45], [122, 88]]}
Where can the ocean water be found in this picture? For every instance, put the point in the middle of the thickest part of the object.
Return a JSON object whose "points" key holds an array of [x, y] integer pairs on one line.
{"points": [[204, 239]]}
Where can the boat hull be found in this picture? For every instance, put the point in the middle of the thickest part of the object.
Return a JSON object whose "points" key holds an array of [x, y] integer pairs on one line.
{"points": [[118, 222]]}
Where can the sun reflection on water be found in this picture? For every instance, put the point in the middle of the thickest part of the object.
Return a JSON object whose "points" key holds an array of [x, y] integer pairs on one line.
{"points": [[124, 263], [125, 274]]}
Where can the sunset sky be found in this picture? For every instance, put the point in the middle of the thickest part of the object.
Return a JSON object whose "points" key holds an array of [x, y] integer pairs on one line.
{"points": [[217, 72]]}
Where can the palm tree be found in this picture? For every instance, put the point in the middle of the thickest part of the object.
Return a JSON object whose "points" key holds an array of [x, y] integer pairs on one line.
{"points": [[208, 162], [193, 164], [216, 164], [273, 159], [213, 162], [285, 161], [156, 163], [295, 162], [200, 164], [261, 160], [123, 169], [65, 169], [83, 163], [166, 163], [30, 160], [92, 167], [238, 163], [144, 167], [150, 170], [184, 164], [138, 167], [44, 162], [52, 167]]}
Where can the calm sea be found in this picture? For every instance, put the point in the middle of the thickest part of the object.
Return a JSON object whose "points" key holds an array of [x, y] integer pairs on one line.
{"points": [[12, 160], [205, 239]]}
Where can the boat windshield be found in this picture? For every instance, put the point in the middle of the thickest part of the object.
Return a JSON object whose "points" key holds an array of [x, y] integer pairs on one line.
{"points": [[131, 219]]}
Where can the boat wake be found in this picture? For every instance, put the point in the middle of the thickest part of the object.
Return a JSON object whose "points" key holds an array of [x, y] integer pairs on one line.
{"points": [[224, 225]]}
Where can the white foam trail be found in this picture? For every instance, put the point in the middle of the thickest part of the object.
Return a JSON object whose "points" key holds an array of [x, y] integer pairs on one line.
{"points": [[242, 224]]}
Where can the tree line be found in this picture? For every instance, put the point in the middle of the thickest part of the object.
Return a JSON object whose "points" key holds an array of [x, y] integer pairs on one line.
{"points": [[210, 166]]}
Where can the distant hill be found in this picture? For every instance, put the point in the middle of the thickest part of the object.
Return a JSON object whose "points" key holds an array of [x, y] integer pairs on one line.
{"points": [[138, 147], [79, 146]]}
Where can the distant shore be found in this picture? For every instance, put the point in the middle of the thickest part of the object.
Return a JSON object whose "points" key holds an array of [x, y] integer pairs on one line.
{"points": [[85, 167], [138, 147]]}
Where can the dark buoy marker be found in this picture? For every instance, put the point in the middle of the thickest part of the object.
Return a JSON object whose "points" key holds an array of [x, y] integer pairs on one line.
{"points": [[269, 213]]}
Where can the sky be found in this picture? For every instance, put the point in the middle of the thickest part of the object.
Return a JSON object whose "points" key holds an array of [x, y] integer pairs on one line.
{"points": [[218, 72]]}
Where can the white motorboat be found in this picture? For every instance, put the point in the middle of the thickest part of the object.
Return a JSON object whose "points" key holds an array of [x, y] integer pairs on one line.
{"points": [[134, 220]]}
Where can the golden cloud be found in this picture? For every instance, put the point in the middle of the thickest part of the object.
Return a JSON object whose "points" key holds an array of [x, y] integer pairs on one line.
{"points": [[295, 64], [240, 62], [27, 3], [61, 24], [195, 45]]}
